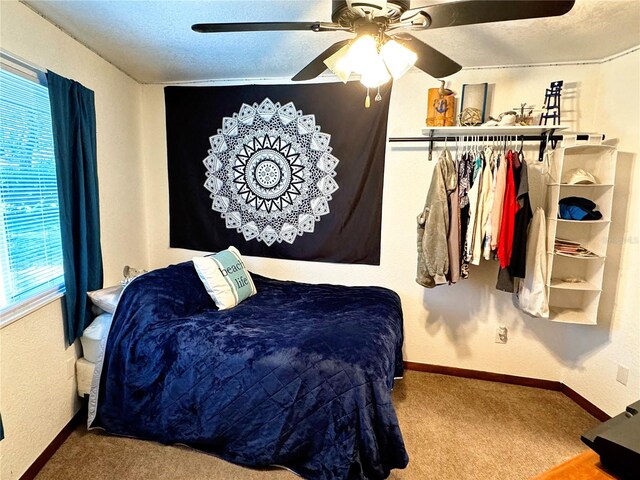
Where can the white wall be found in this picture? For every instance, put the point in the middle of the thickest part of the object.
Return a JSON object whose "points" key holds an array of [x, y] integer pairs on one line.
{"points": [[455, 325], [37, 398], [593, 354]]}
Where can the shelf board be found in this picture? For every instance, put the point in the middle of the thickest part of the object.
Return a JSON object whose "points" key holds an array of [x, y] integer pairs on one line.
{"points": [[581, 185], [584, 222], [587, 148], [570, 315], [564, 255], [582, 286], [511, 130]]}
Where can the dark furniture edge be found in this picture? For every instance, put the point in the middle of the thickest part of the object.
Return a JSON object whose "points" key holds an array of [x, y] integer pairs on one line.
{"points": [[59, 439], [514, 380]]}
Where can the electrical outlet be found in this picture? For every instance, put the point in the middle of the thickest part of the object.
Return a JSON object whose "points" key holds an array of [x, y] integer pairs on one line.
{"points": [[623, 374], [71, 367], [501, 334]]}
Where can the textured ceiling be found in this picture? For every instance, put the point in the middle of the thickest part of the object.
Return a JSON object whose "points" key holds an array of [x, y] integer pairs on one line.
{"points": [[152, 40]]}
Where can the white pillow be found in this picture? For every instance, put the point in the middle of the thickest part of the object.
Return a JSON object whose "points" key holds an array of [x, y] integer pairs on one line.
{"points": [[106, 298], [225, 277]]}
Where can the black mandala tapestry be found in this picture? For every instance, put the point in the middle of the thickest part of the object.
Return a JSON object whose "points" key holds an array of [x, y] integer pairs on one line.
{"points": [[282, 171]]}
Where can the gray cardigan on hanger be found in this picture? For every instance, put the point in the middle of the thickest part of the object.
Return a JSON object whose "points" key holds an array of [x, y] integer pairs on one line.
{"points": [[433, 225]]}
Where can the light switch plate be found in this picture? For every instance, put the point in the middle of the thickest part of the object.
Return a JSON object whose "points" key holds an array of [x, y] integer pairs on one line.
{"points": [[623, 374]]}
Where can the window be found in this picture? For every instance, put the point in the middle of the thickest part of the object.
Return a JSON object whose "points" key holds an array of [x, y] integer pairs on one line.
{"points": [[30, 248]]}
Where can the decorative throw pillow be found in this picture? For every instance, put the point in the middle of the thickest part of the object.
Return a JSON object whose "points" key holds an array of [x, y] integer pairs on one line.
{"points": [[106, 299], [225, 277]]}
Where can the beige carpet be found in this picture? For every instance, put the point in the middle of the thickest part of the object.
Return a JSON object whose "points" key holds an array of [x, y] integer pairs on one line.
{"points": [[454, 428]]}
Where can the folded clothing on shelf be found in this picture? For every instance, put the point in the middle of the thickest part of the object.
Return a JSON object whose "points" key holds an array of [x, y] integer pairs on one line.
{"points": [[578, 208], [571, 248]]}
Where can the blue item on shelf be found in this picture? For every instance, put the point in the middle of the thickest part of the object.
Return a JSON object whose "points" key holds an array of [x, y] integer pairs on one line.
{"points": [[578, 208]]}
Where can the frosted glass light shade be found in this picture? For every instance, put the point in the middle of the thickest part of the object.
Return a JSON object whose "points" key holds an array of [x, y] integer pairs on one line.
{"points": [[375, 74], [397, 58], [362, 54], [338, 63]]}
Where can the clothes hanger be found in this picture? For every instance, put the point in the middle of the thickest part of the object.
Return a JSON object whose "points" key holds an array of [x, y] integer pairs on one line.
{"points": [[445, 151], [520, 152], [457, 151]]}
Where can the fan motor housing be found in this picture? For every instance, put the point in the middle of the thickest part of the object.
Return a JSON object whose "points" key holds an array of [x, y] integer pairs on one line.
{"points": [[345, 16]]}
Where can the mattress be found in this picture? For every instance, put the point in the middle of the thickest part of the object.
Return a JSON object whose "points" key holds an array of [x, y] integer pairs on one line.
{"points": [[84, 374], [92, 337]]}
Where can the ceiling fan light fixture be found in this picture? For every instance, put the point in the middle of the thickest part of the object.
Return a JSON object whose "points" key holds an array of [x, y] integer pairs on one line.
{"points": [[397, 58], [338, 63], [375, 74], [362, 54]]}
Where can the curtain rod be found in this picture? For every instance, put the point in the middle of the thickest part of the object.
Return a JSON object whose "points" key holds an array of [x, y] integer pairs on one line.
{"points": [[22, 67]]}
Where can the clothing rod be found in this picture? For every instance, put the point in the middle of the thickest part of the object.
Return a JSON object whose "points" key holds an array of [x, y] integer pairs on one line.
{"points": [[525, 138]]}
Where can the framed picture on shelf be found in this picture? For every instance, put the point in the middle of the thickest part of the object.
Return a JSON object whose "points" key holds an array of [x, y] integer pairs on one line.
{"points": [[473, 104]]}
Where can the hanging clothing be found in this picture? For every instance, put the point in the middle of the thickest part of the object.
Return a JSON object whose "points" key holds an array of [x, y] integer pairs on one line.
{"points": [[509, 210], [484, 207], [488, 234], [517, 265], [498, 201], [464, 179], [465, 171], [474, 198], [532, 292], [453, 237], [433, 225]]}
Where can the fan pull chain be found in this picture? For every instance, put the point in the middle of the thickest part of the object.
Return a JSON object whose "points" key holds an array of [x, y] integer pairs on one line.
{"points": [[367, 100], [378, 96]]}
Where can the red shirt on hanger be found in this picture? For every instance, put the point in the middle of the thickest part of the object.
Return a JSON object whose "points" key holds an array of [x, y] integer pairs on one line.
{"points": [[505, 240]]}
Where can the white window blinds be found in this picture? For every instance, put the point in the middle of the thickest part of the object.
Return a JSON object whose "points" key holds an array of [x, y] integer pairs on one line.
{"points": [[30, 249]]}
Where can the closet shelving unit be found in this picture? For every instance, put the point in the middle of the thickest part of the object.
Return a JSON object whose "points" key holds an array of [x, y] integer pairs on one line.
{"points": [[574, 284]]}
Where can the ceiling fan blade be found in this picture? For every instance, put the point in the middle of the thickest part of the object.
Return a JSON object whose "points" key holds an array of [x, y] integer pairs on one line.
{"points": [[470, 12], [317, 66], [265, 27], [430, 60]]}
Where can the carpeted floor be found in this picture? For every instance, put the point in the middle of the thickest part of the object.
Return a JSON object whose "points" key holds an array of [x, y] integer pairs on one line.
{"points": [[454, 428]]}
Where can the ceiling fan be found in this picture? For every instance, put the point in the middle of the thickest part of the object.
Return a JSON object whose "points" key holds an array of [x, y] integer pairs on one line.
{"points": [[383, 24]]}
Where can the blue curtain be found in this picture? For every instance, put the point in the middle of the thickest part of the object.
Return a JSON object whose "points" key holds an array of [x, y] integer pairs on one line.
{"points": [[74, 135]]}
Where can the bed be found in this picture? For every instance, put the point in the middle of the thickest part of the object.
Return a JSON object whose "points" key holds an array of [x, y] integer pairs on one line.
{"points": [[298, 375]]}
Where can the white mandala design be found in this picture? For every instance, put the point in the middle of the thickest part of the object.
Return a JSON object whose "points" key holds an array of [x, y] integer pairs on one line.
{"points": [[270, 172]]}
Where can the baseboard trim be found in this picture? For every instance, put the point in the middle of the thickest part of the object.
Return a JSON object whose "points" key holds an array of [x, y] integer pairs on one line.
{"points": [[488, 376], [585, 404], [48, 452], [513, 380]]}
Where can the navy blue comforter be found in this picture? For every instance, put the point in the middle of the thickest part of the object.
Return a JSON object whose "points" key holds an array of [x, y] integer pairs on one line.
{"points": [[298, 375]]}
